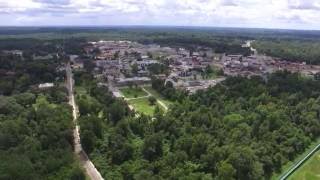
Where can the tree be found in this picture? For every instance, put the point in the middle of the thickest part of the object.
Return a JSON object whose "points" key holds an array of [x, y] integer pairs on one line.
{"points": [[226, 171], [134, 68], [152, 147], [87, 140], [13, 163], [152, 100], [77, 174], [116, 112], [144, 174], [150, 55]]}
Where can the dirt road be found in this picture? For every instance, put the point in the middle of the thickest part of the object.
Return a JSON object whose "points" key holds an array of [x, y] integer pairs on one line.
{"points": [[91, 171]]}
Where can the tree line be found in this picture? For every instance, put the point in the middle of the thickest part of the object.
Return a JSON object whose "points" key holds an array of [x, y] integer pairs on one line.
{"points": [[290, 50]]}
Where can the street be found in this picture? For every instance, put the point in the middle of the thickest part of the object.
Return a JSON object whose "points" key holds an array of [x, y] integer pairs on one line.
{"points": [[91, 171]]}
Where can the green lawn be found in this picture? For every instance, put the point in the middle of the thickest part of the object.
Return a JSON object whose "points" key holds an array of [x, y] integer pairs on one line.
{"points": [[133, 92], [158, 96], [142, 105], [308, 171]]}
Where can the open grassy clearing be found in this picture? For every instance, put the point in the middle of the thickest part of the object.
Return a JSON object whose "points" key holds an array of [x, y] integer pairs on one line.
{"points": [[158, 96], [133, 92], [308, 171], [143, 106]]}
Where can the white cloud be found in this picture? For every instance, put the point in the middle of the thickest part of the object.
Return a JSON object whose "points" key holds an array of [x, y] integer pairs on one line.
{"points": [[302, 14]]}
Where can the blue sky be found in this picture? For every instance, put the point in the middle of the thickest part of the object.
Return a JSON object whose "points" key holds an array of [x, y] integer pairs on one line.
{"points": [[284, 14]]}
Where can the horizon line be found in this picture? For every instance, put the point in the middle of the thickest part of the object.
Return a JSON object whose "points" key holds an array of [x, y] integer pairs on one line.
{"points": [[153, 26]]}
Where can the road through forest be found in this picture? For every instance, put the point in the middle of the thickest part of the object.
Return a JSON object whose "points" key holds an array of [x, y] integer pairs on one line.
{"points": [[85, 162]]}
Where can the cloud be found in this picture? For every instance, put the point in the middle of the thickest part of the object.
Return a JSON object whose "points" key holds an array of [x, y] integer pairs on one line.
{"points": [[304, 4], [56, 2], [303, 14], [228, 3]]}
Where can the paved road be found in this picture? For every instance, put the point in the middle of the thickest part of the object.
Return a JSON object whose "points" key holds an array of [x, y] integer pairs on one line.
{"points": [[91, 171]]}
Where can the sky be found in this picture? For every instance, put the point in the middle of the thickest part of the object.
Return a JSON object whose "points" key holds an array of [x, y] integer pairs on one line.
{"points": [[282, 14]]}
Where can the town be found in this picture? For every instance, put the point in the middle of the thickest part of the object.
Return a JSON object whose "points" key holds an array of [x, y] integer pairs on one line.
{"points": [[126, 63]]}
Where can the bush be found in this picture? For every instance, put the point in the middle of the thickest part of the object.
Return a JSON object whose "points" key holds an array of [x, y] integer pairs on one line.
{"points": [[152, 100]]}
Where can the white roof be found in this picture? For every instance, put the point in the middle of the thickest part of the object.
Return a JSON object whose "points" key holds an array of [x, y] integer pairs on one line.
{"points": [[46, 85]]}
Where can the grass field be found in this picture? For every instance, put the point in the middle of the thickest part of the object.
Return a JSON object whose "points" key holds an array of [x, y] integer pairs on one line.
{"points": [[142, 105], [158, 96], [308, 171], [133, 92]]}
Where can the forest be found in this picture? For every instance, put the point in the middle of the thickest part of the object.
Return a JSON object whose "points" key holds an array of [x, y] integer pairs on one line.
{"points": [[36, 128], [36, 139], [290, 50], [241, 129]]}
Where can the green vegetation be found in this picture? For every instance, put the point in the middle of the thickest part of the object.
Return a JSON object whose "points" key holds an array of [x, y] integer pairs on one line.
{"points": [[36, 128], [146, 105], [158, 96], [308, 171], [211, 72], [185, 37], [36, 138], [142, 105], [286, 44], [293, 50], [241, 129], [158, 69], [133, 92], [18, 75], [167, 91], [290, 164]]}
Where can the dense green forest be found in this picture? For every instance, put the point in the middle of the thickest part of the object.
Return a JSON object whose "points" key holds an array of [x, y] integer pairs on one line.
{"points": [[36, 137], [240, 129], [36, 140], [290, 50]]}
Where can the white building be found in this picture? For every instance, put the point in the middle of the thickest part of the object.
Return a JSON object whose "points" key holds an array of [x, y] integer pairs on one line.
{"points": [[46, 85]]}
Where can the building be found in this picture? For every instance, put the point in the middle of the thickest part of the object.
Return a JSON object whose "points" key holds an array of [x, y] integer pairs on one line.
{"points": [[46, 85], [133, 81]]}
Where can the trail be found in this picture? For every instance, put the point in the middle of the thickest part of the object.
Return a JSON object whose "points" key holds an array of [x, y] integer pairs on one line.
{"points": [[141, 97], [158, 101], [85, 162]]}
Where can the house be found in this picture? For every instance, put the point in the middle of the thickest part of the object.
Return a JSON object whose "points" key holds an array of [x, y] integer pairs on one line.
{"points": [[46, 85], [76, 62], [132, 81], [14, 52]]}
